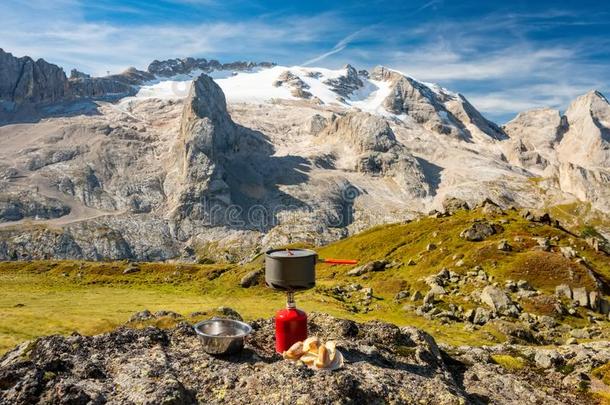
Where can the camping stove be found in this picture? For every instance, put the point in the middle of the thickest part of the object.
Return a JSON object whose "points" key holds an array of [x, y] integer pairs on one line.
{"points": [[292, 270]]}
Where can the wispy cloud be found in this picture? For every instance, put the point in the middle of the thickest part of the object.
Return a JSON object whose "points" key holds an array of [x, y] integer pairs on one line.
{"points": [[503, 62]]}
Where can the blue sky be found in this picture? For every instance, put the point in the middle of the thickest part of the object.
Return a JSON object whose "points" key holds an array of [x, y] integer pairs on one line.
{"points": [[503, 56]]}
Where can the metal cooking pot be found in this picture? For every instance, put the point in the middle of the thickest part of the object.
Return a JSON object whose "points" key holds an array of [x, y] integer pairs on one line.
{"points": [[222, 336], [295, 269], [290, 269]]}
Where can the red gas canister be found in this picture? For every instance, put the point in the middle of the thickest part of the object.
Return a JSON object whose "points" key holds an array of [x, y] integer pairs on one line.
{"points": [[290, 327]]}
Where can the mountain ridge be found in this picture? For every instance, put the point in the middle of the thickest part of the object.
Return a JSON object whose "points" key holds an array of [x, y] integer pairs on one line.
{"points": [[274, 154]]}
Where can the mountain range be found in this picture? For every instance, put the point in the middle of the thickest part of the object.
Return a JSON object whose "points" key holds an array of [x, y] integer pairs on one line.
{"points": [[194, 158]]}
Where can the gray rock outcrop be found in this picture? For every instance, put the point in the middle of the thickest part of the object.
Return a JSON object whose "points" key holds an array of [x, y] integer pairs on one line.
{"points": [[382, 363], [376, 150], [479, 231], [346, 84]]}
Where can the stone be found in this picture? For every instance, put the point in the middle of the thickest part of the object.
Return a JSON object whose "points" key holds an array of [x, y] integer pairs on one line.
{"points": [[228, 312], [167, 314], [479, 231], [604, 306], [417, 295], [524, 285], [563, 290], [436, 289], [496, 299], [481, 316], [580, 334], [251, 279], [401, 295], [547, 358], [491, 208], [580, 296], [568, 252], [430, 247], [504, 246], [377, 265], [429, 298], [571, 341], [132, 268], [544, 244], [453, 204], [594, 300], [141, 316], [510, 285]]}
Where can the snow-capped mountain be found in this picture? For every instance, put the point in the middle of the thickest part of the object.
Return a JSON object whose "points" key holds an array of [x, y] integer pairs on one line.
{"points": [[196, 155]]}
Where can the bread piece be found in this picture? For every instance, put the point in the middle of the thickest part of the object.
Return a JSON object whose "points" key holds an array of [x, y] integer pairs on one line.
{"points": [[295, 351], [311, 344], [331, 346], [309, 358], [323, 359]]}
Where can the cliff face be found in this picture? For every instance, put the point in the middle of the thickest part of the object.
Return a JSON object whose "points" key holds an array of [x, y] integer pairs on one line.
{"points": [[23, 80], [383, 364]]}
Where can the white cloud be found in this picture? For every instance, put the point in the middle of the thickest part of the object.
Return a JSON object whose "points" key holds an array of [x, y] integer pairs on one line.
{"points": [[493, 59]]}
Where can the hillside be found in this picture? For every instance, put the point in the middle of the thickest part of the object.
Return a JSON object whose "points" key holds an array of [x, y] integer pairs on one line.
{"points": [[413, 257]]}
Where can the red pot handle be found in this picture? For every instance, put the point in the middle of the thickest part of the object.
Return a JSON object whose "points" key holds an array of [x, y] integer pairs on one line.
{"points": [[338, 261]]}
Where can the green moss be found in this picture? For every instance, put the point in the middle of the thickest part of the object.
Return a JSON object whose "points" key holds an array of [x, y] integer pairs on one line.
{"points": [[48, 376], [509, 362], [603, 373], [405, 351]]}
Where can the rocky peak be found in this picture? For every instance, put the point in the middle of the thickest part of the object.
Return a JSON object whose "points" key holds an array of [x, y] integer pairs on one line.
{"points": [[345, 85], [206, 133], [77, 74], [172, 67], [587, 140], [298, 87], [206, 102], [382, 73], [539, 126]]}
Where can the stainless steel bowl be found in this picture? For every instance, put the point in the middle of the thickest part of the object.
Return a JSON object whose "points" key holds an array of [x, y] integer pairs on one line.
{"points": [[222, 336]]}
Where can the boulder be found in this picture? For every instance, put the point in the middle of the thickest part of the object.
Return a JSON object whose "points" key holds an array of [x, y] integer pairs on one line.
{"points": [[227, 312], [481, 230], [141, 316], [547, 358], [504, 246], [568, 252], [453, 204], [417, 295], [497, 299], [132, 268], [481, 316], [580, 296], [563, 290], [544, 244], [401, 295], [594, 300], [377, 265], [251, 279], [491, 208]]}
